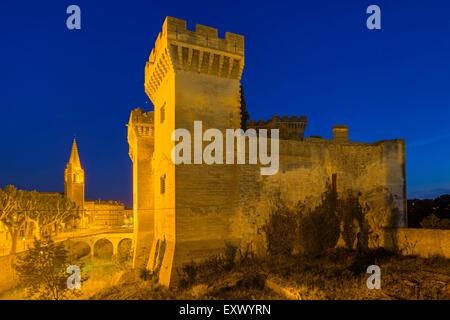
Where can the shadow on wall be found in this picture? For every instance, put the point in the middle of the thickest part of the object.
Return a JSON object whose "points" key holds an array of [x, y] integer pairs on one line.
{"points": [[390, 235], [336, 221]]}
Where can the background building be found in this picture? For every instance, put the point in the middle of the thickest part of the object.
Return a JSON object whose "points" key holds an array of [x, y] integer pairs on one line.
{"points": [[106, 214], [93, 213]]}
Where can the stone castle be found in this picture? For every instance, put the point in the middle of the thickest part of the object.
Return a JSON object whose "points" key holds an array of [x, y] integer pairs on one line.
{"points": [[189, 212]]}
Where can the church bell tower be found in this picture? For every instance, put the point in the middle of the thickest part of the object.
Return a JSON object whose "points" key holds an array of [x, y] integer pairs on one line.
{"points": [[74, 178]]}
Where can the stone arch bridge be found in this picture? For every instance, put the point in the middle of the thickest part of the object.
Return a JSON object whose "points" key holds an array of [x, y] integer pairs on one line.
{"points": [[114, 239]]}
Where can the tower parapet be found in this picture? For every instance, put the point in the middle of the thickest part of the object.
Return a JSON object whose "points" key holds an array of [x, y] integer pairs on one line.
{"points": [[340, 133], [200, 51], [291, 128], [140, 125], [141, 146]]}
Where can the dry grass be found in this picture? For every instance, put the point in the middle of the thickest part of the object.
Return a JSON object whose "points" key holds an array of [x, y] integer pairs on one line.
{"points": [[340, 275], [337, 274]]}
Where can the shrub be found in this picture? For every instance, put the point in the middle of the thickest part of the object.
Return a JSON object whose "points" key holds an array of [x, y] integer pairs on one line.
{"points": [[188, 274], [42, 270], [354, 222], [281, 231], [368, 257], [229, 256], [145, 274], [123, 259], [194, 272], [314, 231], [325, 222], [434, 222]]}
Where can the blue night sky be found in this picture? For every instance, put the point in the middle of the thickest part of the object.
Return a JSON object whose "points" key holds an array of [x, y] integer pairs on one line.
{"points": [[302, 57]]}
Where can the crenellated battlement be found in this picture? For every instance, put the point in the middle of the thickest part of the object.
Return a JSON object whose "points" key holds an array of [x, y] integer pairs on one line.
{"points": [[140, 129], [204, 36], [292, 127], [139, 116], [140, 125], [200, 51]]}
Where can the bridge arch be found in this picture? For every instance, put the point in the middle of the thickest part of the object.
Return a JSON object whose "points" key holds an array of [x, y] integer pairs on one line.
{"points": [[105, 243], [80, 249], [124, 246], [103, 248]]}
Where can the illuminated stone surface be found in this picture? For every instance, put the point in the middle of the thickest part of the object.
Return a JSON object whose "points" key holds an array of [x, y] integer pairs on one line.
{"points": [[189, 212]]}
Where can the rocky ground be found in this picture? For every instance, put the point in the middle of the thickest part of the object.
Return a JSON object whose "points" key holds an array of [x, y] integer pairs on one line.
{"points": [[334, 275], [337, 274]]}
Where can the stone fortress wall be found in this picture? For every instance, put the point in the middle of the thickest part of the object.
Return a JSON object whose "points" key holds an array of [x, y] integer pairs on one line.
{"points": [[375, 172], [190, 211]]}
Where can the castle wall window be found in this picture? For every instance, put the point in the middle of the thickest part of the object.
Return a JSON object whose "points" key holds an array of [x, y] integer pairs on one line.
{"points": [[162, 184]]}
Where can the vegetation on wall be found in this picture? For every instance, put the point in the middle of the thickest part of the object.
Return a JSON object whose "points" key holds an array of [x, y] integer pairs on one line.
{"points": [[313, 231], [355, 229], [319, 228], [281, 230], [192, 272]]}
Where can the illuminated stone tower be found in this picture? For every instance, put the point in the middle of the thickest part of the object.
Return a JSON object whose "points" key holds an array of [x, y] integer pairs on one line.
{"points": [[74, 178], [191, 75], [141, 145]]}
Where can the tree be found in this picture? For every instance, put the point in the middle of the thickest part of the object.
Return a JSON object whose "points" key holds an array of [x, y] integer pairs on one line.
{"points": [[8, 205], [354, 222], [22, 210], [281, 230], [15, 208], [50, 212], [43, 271], [65, 210], [419, 209], [244, 113], [319, 229], [433, 222]]}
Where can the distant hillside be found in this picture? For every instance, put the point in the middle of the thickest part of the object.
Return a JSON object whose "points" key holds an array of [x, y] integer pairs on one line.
{"points": [[428, 194]]}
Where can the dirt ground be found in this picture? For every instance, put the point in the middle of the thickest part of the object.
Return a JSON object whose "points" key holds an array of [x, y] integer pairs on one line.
{"points": [[335, 275]]}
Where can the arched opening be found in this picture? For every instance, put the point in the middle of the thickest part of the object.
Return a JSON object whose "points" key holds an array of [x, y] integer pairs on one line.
{"points": [[79, 250], [124, 247], [103, 249], [124, 253]]}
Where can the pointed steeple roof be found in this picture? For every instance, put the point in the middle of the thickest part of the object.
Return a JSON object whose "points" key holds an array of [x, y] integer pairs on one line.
{"points": [[74, 156]]}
